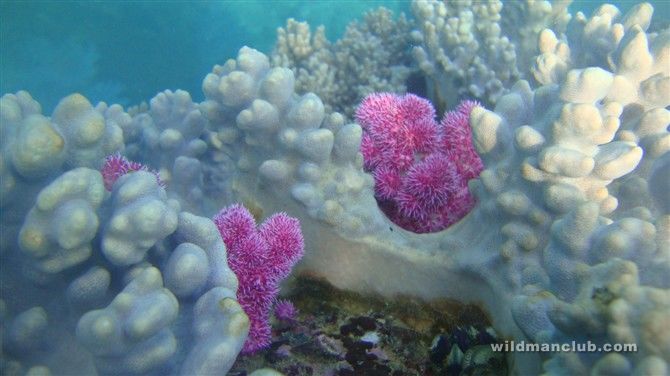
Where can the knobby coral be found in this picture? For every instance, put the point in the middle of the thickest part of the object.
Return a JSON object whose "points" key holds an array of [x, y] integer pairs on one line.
{"points": [[568, 239]]}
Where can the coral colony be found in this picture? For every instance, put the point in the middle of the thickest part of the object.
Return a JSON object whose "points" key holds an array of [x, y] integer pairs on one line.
{"points": [[547, 204], [421, 169], [261, 259]]}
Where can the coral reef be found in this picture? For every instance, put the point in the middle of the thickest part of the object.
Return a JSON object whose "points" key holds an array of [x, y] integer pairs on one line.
{"points": [[58, 230], [140, 218], [84, 254], [567, 239]]}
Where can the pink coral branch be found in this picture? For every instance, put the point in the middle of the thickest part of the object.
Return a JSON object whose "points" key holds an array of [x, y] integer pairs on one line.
{"points": [[260, 258]]}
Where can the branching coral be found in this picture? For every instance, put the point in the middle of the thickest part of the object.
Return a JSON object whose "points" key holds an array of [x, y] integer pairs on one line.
{"points": [[479, 49], [371, 56]]}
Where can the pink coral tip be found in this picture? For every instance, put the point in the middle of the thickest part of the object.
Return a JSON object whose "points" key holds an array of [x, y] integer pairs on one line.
{"points": [[433, 181], [378, 110], [283, 236], [415, 108], [117, 165], [234, 222]]}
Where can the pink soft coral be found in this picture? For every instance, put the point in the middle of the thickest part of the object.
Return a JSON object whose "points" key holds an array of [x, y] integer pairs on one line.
{"points": [[285, 311], [117, 165], [260, 259], [421, 169]]}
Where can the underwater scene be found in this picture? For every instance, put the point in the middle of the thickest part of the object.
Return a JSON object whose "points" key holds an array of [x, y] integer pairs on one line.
{"points": [[262, 188]]}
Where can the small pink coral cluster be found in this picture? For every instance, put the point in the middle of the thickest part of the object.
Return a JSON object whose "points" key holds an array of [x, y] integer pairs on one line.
{"points": [[285, 311], [117, 165], [261, 258], [421, 168]]}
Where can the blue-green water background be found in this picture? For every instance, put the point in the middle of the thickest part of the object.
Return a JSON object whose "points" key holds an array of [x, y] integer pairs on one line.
{"points": [[127, 51]]}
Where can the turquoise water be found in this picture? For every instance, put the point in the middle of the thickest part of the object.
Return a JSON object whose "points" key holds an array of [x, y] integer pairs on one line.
{"points": [[126, 52]]}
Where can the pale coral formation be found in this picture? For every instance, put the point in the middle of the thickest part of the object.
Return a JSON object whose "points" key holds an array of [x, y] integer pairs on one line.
{"points": [[199, 262], [568, 239], [479, 49], [32, 146], [132, 334], [290, 147], [58, 230], [220, 327], [88, 137], [462, 50], [142, 216], [26, 331], [90, 289], [370, 57]]}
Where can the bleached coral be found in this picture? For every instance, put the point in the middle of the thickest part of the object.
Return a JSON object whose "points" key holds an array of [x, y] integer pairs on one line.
{"points": [[370, 57], [75, 230], [568, 240], [551, 155], [37, 148], [58, 230], [26, 331], [638, 63], [173, 126], [32, 147], [290, 148], [89, 289], [142, 216], [199, 261], [309, 56], [522, 21], [220, 327], [587, 289], [169, 141], [462, 51], [88, 137], [606, 40], [479, 49], [132, 334], [26, 157]]}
